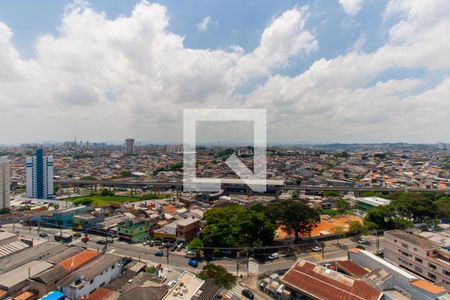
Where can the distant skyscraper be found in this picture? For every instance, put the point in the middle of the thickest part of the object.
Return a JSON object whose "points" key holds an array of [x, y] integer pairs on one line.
{"points": [[39, 175], [4, 182], [129, 143]]}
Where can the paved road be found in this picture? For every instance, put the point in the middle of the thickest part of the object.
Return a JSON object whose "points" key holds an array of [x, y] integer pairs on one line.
{"points": [[178, 262]]}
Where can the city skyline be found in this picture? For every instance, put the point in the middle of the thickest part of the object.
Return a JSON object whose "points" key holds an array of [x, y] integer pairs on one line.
{"points": [[326, 71]]}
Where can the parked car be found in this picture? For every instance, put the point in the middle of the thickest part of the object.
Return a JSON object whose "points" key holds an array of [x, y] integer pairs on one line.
{"points": [[157, 243], [316, 249], [193, 262], [162, 245], [101, 242], [191, 254], [248, 294], [159, 253], [85, 239], [274, 256], [43, 234], [110, 241], [363, 241], [172, 283], [173, 248], [145, 243], [77, 234]]}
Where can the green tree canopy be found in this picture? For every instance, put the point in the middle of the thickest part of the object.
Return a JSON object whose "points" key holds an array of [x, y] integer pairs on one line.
{"points": [[355, 227], [195, 243], [222, 278], [235, 225], [295, 217], [342, 204]]}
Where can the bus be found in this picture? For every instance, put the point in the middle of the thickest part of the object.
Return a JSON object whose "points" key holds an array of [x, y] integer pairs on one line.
{"points": [[63, 238]]}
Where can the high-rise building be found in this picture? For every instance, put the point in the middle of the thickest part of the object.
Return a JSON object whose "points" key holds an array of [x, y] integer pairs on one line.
{"points": [[4, 182], [39, 175], [129, 144]]}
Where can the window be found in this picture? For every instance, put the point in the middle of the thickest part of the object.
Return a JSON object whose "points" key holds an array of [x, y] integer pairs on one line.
{"points": [[415, 249], [419, 260], [92, 281], [446, 272], [432, 276], [432, 266], [113, 266], [418, 269], [405, 246]]}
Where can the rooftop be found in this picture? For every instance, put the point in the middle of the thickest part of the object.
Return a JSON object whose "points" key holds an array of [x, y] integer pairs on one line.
{"points": [[375, 201], [411, 238], [21, 273], [186, 287], [428, 286], [351, 268], [78, 260], [322, 283]]}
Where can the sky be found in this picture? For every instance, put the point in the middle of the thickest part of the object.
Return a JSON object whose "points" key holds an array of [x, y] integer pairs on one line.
{"points": [[326, 71]]}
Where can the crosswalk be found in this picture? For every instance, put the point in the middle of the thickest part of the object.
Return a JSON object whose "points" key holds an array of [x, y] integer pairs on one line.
{"points": [[235, 292], [253, 267]]}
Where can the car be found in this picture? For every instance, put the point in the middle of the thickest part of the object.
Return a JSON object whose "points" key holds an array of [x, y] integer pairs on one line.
{"points": [[363, 241], [162, 246], [191, 254], [101, 242], [111, 241], [193, 262], [144, 243], [248, 294], [43, 234], [316, 249], [157, 242], [159, 253], [85, 239], [274, 256], [77, 234], [173, 248], [171, 283]]}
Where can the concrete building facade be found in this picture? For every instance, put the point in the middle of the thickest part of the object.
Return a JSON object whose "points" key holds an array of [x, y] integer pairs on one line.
{"points": [[5, 182], [418, 255]]}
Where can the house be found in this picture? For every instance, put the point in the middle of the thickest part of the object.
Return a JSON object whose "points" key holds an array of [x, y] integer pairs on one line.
{"points": [[97, 273], [187, 229]]}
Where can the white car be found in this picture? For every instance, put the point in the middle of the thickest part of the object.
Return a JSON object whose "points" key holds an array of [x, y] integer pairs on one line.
{"points": [[362, 241], [274, 256], [316, 249], [171, 283]]}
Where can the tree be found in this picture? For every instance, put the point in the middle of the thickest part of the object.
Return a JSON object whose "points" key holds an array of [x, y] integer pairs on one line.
{"points": [[296, 217], [235, 225], [331, 194], [342, 204], [414, 206], [195, 244], [221, 277], [106, 192], [355, 227], [5, 211], [443, 207], [339, 231]]}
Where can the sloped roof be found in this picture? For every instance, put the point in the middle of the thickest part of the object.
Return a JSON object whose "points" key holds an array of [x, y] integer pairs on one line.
{"points": [[51, 275], [352, 268], [322, 283]]}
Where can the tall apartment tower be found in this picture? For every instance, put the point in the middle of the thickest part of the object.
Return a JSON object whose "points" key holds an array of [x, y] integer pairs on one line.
{"points": [[5, 182], [129, 144], [39, 175]]}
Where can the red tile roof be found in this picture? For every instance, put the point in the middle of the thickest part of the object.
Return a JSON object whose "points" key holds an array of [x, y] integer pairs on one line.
{"points": [[325, 284], [100, 294], [78, 260], [351, 268]]}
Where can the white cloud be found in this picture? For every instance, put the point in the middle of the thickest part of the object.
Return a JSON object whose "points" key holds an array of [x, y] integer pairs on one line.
{"points": [[203, 24], [351, 7], [105, 79]]}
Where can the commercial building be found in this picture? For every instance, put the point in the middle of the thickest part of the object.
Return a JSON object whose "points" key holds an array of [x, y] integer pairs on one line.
{"points": [[187, 229], [134, 230], [4, 182], [129, 145], [39, 175], [426, 257], [367, 203]]}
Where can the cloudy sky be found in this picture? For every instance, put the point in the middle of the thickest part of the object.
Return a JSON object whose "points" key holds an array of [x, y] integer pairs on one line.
{"points": [[325, 70]]}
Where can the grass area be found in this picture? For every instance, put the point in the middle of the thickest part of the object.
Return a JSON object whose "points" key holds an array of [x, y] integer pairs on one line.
{"points": [[100, 201], [106, 200]]}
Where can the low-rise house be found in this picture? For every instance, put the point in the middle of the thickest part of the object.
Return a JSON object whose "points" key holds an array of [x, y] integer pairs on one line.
{"points": [[187, 229], [91, 276]]}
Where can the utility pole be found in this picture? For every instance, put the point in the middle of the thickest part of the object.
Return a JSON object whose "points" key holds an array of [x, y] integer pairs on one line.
{"points": [[323, 253], [237, 263], [167, 257], [248, 260]]}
